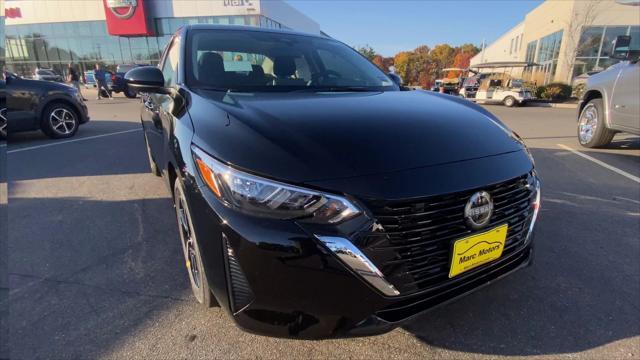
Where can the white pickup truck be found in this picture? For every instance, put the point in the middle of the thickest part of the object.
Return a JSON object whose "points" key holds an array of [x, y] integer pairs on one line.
{"points": [[611, 101]]}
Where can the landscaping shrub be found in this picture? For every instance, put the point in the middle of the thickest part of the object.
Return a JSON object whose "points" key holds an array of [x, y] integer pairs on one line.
{"points": [[554, 92], [578, 90]]}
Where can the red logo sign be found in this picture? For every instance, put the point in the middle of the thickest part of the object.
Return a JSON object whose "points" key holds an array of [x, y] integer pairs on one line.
{"points": [[126, 17], [13, 13]]}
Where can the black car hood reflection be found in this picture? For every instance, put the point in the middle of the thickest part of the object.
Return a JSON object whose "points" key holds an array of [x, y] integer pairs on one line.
{"points": [[301, 137]]}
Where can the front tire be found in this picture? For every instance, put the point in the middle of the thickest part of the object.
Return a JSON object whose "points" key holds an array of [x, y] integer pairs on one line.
{"points": [[191, 249], [129, 93], [509, 101], [59, 121], [592, 130]]}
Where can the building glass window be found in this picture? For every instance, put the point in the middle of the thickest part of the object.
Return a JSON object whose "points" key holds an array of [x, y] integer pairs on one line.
{"points": [[549, 47], [595, 47], [53, 45], [590, 41], [610, 35], [546, 58], [531, 51]]}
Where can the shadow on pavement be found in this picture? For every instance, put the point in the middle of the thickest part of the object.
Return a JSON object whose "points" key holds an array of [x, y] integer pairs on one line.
{"points": [[118, 154], [90, 273], [92, 128], [627, 143]]}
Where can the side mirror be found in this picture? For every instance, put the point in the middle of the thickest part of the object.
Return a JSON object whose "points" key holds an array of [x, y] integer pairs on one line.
{"points": [[147, 79], [620, 48], [395, 78]]}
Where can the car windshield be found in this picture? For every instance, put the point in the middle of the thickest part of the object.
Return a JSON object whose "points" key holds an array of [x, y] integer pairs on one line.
{"points": [[254, 61], [516, 83], [45, 72]]}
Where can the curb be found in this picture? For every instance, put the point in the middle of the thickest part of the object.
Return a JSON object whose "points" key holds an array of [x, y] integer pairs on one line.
{"points": [[552, 105]]}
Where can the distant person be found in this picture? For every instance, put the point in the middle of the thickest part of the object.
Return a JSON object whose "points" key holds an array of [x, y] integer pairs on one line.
{"points": [[101, 81], [238, 57], [74, 79]]}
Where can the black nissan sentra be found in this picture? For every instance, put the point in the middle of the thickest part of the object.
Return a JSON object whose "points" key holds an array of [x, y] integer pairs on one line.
{"points": [[315, 197]]}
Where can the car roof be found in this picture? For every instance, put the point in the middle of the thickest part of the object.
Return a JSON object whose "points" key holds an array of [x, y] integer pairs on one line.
{"points": [[248, 28]]}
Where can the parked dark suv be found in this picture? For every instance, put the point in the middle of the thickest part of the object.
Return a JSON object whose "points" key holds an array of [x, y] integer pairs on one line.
{"points": [[54, 108], [313, 197], [118, 83]]}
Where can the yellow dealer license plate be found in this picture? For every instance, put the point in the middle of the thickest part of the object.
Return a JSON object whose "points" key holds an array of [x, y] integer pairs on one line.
{"points": [[475, 250]]}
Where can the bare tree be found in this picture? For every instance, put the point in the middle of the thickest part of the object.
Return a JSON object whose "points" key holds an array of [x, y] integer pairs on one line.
{"points": [[584, 14]]}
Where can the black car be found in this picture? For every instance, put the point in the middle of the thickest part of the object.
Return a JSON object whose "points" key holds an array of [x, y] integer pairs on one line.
{"points": [[118, 83], [46, 75], [54, 108], [315, 198]]}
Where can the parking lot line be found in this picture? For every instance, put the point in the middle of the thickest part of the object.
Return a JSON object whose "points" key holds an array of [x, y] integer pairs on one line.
{"points": [[71, 141], [601, 163]]}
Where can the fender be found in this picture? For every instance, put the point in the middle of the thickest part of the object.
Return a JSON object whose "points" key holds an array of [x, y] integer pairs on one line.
{"points": [[605, 102], [57, 96]]}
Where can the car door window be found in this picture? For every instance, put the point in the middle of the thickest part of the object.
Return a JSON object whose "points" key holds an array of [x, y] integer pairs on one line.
{"points": [[170, 65]]}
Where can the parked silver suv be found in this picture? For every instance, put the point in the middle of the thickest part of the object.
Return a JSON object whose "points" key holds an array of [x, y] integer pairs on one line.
{"points": [[610, 101]]}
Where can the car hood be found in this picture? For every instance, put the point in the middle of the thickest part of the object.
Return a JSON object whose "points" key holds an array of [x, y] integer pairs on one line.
{"points": [[303, 137], [44, 84]]}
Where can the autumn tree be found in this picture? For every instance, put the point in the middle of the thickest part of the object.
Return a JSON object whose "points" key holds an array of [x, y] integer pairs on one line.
{"points": [[401, 61], [424, 65], [388, 62], [462, 58], [367, 51], [418, 61], [379, 62]]}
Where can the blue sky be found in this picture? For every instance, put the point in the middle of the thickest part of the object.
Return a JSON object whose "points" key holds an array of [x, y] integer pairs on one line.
{"points": [[390, 26]]}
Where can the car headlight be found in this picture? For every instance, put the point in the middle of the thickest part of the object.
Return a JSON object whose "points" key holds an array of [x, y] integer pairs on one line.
{"points": [[536, 201], [262, 197]]}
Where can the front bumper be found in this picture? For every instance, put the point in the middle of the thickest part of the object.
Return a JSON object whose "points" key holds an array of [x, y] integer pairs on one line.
{"points": [[84, 112], [277, 278]]}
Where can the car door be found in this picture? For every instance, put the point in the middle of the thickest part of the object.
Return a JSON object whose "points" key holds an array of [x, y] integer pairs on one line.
{"points": [[158, 120], [22, 103], [625, 107]]}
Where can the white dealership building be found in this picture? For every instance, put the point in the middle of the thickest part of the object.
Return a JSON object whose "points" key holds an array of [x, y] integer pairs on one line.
{"points": [[52, 33], [566, 38]]}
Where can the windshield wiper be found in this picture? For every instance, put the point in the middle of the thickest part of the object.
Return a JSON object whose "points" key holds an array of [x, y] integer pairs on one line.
{"points": [[336, 89]]}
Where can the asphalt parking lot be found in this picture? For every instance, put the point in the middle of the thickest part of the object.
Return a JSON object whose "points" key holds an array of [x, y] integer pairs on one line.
{"points": [[95, 268]]}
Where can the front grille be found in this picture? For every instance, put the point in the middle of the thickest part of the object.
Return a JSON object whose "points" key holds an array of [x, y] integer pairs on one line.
{"points": [[415, 254]]}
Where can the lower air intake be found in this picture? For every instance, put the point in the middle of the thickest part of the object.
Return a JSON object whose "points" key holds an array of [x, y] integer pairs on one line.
{"points": [[240, 292]]}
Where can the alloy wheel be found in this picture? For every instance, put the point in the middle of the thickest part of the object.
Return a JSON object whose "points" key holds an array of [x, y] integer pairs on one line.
{"points": [[188, 241], [63, 121], [3, 122], [588, 124]]}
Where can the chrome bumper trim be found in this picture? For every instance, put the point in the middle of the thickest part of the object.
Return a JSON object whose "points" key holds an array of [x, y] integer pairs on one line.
{"points": [[358, 262]]}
